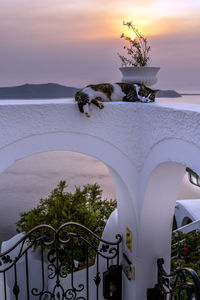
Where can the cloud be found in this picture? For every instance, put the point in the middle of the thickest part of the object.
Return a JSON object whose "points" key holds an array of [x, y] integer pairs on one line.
{"points": [[176, 8], [44, 41], [49, 22], [177, 55]]}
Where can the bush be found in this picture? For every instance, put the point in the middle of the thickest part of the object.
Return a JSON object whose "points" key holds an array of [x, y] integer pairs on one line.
{"points": [[84, 206], [186, 250]]}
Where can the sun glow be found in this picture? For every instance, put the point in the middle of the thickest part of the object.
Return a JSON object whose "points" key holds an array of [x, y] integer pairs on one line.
{"points": [[129, 33], [133, 37]]}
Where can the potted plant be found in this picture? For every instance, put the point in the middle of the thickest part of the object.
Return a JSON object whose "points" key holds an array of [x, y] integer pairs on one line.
{"points": [[135, 67]]}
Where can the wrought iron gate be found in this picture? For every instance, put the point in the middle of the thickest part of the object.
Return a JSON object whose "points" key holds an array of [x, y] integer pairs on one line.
{"points": [[182, 284], [44, 265]]}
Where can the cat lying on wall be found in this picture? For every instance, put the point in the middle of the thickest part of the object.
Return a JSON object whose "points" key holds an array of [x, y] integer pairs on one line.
{"points": [[106, 92]]}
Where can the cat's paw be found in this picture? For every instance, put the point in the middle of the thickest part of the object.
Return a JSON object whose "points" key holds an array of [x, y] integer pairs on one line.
{"points": [[87, 114], [145, 100], [101, 106]]}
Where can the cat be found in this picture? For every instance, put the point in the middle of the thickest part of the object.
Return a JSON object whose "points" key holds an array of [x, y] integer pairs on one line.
{"points": [[106, 92]]}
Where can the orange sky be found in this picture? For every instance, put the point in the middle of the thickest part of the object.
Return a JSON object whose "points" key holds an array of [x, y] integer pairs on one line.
{"points": [[41, 40], [65, 20]]}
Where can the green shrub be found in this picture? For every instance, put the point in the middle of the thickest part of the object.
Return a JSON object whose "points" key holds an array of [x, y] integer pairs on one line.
{"points": [[85, 206], [186, 250]]}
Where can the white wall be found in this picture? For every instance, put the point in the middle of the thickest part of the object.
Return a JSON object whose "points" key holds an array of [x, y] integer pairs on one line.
{"points": [[146, 148]]}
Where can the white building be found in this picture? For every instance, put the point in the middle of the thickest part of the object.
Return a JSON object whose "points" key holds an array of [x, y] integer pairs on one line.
{"points": [[146, 148]]}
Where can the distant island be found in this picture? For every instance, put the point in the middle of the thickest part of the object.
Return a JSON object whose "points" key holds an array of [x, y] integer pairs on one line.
{"points": [[168, 94], [37, 91], [53, 91]]}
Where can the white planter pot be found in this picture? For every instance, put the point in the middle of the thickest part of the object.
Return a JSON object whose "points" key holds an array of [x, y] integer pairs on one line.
{"points": [[146, 75]]}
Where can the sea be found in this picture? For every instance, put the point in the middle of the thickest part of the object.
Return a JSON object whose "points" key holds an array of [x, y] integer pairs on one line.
{"points": [[25, 182]]}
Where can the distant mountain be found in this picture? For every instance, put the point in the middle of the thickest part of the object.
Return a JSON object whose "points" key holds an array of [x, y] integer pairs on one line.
{"points": [[168, 94], [54, 90], [37, 91]]}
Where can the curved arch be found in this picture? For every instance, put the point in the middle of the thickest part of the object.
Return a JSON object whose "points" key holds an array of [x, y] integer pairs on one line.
{"points": [[124, 174], [170, 150], [160, 180], [69, 141]]}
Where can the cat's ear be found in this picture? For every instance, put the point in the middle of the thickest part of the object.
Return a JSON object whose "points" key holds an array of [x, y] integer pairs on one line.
{"points": [[156, 91]]}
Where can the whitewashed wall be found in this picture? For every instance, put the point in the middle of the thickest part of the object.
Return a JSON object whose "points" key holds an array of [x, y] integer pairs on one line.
{"points": [[145, 147]]}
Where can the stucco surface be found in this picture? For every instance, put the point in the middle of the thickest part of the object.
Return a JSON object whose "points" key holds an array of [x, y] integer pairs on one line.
{"points": [[168, 121], [133, 128], [145, 147]]}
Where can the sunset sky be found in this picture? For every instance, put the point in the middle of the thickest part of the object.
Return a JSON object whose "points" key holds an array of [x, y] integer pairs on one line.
{"points": [[75, 42]]}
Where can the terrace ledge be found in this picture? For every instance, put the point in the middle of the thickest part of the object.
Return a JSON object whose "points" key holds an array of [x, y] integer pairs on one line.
{"points": [[134, 128], [145, 147]]}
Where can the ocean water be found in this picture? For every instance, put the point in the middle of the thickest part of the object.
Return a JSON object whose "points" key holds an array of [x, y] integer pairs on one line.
{"points": [[194, 99], [26, 181]]}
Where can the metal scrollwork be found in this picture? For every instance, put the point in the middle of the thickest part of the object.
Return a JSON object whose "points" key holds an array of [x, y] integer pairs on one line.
{"points": [[59, 251], [97, 279], [181, 284], [5, 259]]}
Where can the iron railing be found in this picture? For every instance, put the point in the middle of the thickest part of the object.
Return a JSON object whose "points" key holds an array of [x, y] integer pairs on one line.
{"points": [[181, 284], [54, 269]]}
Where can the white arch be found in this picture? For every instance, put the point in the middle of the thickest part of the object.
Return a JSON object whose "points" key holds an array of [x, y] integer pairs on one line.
{"points": [[171, 150], [158, 139], [76, 142], [160, 180], [124, 174]]}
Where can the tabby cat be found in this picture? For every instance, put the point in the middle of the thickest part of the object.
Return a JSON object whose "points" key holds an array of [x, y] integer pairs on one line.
{"points": [[105, 92]]}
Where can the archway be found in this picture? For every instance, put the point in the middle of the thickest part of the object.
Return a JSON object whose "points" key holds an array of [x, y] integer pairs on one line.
{"points": [[122, 170], [26, 181], [160, 179]]}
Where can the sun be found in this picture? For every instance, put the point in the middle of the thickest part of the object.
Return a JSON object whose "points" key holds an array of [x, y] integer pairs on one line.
{"points": [[132, 37]]}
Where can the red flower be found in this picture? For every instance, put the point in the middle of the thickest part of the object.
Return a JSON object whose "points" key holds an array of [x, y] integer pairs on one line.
{"points": [[185, 250]]}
